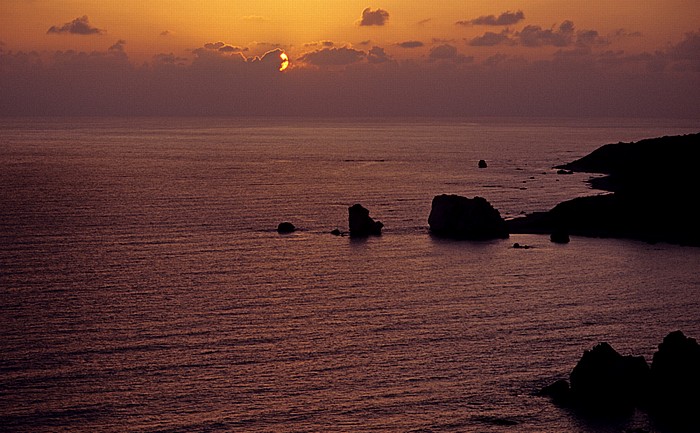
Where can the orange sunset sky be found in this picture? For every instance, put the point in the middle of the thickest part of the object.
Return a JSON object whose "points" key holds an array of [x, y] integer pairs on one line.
{"points": [[479, 57]]}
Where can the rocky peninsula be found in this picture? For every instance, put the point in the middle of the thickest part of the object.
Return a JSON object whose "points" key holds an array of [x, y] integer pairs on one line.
{"points": [[651, 190]]}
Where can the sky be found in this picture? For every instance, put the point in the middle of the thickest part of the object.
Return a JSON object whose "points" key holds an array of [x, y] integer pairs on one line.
{"points": [[593, 58]]}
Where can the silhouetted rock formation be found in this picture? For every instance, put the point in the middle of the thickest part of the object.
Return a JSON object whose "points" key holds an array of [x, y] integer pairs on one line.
{"points": [[654, 183], [285, 227], [482, 164], [458, 217], [361, 225], [605, 382], [675, 377]]}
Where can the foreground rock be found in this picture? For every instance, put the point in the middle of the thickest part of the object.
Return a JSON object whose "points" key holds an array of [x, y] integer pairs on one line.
{"points": [[605, 382], [361, 225], [458, 217], [654, 185]]}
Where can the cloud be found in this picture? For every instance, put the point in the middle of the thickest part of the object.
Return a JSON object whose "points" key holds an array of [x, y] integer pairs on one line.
{"points": [[574, 81], [425, 21], [624, 33], [410, 44], [79, 26], [536, 36], [377, 55], [327, 44], [169, 59], [447, 52], [167, 33], [333, 56], [490, 39], [376, 17], [255, 18], [223, 47], [686, 53], [505, 19], [118, 46]]}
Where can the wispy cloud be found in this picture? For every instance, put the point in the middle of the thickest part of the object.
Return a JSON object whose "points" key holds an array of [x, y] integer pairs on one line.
{"points": [[505, 19]]}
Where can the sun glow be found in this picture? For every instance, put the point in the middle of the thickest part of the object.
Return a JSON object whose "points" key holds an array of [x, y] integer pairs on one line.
{"points": [[285, 61]]}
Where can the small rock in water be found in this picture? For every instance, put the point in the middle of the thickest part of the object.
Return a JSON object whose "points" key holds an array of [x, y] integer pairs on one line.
{"points": [[482, 164], [560, 237], [285, 227]]}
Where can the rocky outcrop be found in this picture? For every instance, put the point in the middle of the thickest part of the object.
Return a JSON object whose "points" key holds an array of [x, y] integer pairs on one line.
{"points": [[675, 377], [654, 185], [361, 225], [285, 227], [605, 382], [458, 217]]}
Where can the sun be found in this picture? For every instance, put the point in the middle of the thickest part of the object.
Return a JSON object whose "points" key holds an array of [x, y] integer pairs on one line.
{"points": [[285, 61]]}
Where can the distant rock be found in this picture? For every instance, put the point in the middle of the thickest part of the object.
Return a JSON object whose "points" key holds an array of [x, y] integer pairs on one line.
{"points": [[285, 227], [562, 171], [482, 164], [336, 232], [361, 225], [458, 217], [518, 246]]}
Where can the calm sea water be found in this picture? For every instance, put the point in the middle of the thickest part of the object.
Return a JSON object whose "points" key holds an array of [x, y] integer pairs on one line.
{"points": [[143, 286]]}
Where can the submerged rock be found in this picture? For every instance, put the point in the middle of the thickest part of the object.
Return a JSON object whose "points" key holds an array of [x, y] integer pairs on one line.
{"points": [[361, 225], [458, 217], [285, 227]]}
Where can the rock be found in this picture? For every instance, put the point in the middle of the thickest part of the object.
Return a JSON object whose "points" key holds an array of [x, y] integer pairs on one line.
{"points": [[562, 171], [560, 237], [361, 225], [653, 182], [605, 381], [559, 391], [336, 232], [285, 227], [458, 217], [675, 378], [482, 164], [518, 246]]}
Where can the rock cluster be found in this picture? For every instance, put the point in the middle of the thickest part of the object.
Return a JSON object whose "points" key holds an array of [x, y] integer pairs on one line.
{"points": [[605, 382]]}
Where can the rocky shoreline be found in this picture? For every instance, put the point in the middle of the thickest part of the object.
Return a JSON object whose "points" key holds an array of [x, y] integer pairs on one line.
{"points": [[652, 186]]}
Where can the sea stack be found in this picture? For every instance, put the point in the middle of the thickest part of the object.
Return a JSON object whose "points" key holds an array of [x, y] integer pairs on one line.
{"points": [[458, 217], [361, 225]]}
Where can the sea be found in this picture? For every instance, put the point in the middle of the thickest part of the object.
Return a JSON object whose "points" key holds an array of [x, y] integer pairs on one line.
{"points": [[144, 287]]}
